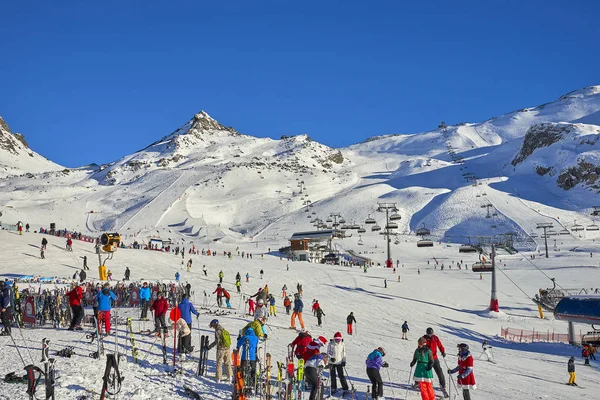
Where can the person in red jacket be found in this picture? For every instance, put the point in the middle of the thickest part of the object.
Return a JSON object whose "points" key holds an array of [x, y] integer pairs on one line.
{"points": [[466, 378], [313, 348], [75, 296], [299, 344], [434, 343], [160, 307], [315, 307], [219, 292]]}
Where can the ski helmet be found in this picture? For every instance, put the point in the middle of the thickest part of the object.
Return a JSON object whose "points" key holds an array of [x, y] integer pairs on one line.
{"points": [[429, 331], [463, 347], [381, 350], [213, 323]]}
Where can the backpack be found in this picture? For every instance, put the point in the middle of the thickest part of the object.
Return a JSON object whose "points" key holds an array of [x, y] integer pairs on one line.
{"points": [[226, 294], [225, 339]]}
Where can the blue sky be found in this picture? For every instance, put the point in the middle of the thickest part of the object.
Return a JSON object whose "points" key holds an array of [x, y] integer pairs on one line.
{"points": [[92, 81]]}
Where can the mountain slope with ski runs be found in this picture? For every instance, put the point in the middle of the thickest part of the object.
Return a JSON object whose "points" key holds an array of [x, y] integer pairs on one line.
{"points": [[206, 181]]}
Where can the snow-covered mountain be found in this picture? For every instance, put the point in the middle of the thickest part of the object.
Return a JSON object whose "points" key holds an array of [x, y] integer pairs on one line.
{"points": [[16, 158], [206, 181]]}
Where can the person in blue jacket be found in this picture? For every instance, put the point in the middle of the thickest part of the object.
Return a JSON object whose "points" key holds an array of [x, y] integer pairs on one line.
{"points": [[104, 306], [145, 296], [298, 307], [187, 309], [177, 276], [247, 345], [5, 307]]}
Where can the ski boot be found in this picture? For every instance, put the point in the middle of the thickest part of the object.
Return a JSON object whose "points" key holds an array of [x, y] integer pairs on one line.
{"points": [[445, 393]]}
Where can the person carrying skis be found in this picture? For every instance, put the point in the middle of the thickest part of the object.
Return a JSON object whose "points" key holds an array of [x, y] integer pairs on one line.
{"points": [[160, 307], [320, 315], [298, 306], [434, 343], [223, 343], [571, 370], [247, 345], [349, 320], [336, 351], [423, 359], [187, 309], [312, 366], [287, 303], [5, 308], [221, 276], [466, 378], [374, 364], [103, 298], [405, 330], [144, 300], [75, 296], [219, 292], [261, 311]]}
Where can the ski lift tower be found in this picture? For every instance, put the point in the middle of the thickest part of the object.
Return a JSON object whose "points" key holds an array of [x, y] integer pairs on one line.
{"points": [[545, 226], [386, 208], [494, 296], [335, 217]]}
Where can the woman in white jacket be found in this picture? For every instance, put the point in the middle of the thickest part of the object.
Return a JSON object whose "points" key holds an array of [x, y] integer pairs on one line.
{"points": [[337, 361]]}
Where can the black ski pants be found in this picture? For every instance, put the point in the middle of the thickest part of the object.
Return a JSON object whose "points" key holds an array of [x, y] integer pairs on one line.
{"points": [[312, 378], [250, 374], [185, 344], [466, 394], [376, 382], [6, 317], [439, 373], [335, 371], [77, 312], [144, 306], [160, 322]]}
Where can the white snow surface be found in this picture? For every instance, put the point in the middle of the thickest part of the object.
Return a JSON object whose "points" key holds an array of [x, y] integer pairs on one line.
{"points": [[453, 302]]}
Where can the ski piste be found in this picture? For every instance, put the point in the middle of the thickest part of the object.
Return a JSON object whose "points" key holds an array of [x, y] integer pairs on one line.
{"points": [[134, 350]]}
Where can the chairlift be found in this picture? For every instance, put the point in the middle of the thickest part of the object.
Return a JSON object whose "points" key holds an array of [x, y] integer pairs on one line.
{"points": [[478, 195], [345, 227], [308, 216], [423, 231], [484, 194], [551, 232], [375, 228], [355, 226], [362, 230], [328, 220], [577, 228], [395, 217], [391, 225], [533, 235], [360, 242], [593, 228], [564, 232], [342, 221], [314, 212], [425, 243], [482, 266], [466, 248], [370, 221]]}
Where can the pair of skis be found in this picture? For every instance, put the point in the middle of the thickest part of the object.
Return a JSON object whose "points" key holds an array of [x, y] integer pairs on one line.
{"points": [[238, 377], [203, 355], [134, 350]]}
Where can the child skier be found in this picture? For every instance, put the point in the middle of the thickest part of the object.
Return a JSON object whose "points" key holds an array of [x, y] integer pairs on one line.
{"points": [[423, 359], [466, 378]]}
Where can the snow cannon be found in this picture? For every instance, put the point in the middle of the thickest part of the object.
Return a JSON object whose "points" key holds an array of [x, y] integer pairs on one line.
{"points": [[581, 309], [110, 242]]}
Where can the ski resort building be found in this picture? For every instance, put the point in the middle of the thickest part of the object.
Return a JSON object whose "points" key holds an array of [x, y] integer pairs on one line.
{"points": [[312, 245]]}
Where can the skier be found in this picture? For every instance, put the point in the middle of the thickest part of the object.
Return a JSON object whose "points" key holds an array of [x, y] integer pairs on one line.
{"points": [[299, 287], [315, 306], [423, 359], [405, 330], [571, 370], [247, 277], [27, 229], [82, 276], [585, 353], [227, 297], [487, 350], [320, 315], [127, 274], [251, 304], [204, 270], [189, 265], [298, 306], [349, 320], [160, 307], [109, 275], [144, 300], [238, 277], [104, 298], [238, 286], [5, 308], [85, 266], [248, 354], [221, 275], [298, 346], [187, 309], [184, 342], [284, 292], [177, 276], [223, 343], [69, 246], [466, 378], [434, 343], [374, 364], [287, 303], [336, 351], [44, 243], [312, 366], [260, 295], [261, 310], [272, 307], [261, 273], [219, 292], [75, 296], [592, 351], [188, 289]]}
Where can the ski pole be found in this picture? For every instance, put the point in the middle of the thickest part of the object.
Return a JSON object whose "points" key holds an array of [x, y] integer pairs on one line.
{"points": [[453, 383], [349, 380], [390, 381], [408, 384]]}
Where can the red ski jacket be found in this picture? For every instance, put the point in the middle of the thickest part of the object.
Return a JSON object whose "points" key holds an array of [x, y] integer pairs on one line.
{"points": [[75, 296], [160, 306], [434, 343]]}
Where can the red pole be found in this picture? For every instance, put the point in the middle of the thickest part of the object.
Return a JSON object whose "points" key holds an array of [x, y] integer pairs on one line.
{"points": [[174, 342]]}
